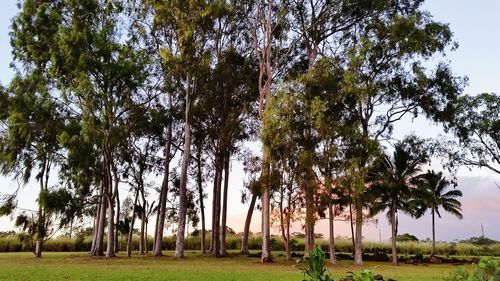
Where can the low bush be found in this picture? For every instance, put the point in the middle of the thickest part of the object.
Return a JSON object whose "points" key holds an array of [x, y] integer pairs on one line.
{"points": [[486, 270]]}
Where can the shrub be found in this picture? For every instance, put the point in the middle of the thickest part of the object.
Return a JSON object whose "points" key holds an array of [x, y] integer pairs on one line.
{"points": [[486, 270], [314, 269]]}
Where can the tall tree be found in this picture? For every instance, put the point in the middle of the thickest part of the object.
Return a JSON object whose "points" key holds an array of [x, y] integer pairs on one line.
{"points": [[190, 25]]}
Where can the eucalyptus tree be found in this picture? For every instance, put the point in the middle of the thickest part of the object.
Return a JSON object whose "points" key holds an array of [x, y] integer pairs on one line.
{"points": [[476, 123], [393, 184], [320, 29], [96, 70], [33, 122], [387, 80], [267, 21], [190, 24], [228, 114], [433, 194]]}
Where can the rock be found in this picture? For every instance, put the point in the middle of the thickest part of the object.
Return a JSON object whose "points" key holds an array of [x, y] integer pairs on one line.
{"points": [[378, 277], [390, 279]]}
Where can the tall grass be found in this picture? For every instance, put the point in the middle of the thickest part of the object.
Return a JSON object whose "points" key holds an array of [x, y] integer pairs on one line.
{"points": [[12, 243]]}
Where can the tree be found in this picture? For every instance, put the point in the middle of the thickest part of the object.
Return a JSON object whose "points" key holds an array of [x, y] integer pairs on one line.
{"points": [[383, 89], [476, 123], [393, 184], [433, 194], [96, 72], [33, 125], [189, 24]]}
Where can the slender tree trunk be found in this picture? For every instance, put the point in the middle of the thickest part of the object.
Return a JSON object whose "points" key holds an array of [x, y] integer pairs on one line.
{"points": [[110, 251], [141, 237], [289, 219], [358, 247], [132, 222], [98, 240], [162, 201], [201, 195], [217, 207], [146, 235], [96, 225], [40, 227], [394, 233], [283, 222], [112, 183], [223, 250], [246, 229], [351, 218], [179, 244], [433, 252], [266, 207], [331, 221], [117, 221], [310, 221], [214, 203]]}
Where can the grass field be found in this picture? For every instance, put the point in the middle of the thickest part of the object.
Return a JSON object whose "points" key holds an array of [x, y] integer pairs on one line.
{"points": [[79, 266]]}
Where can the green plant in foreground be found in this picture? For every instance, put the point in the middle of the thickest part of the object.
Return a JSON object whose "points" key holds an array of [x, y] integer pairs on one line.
{"points": [[487, 270], [314, 269], [364, 275]]}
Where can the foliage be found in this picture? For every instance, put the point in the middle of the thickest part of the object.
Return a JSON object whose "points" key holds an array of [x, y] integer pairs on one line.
{"points": [[406, 237], [364, 275], [487, 270], [314, 269], [480, 241], [477, 125]]}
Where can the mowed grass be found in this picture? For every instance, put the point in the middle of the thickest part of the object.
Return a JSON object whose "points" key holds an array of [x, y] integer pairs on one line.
{"points": [[79, 266]]}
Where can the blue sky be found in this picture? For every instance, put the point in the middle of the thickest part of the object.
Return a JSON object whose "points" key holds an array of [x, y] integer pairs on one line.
{"points": [[475, 25]]}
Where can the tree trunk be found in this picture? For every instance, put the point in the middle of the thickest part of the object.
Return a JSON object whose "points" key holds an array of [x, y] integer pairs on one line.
{"points": [[433, 252], [131, 229], [351, 218], [117, 221], [179, 244], [102, 224], [214, 204], [266, 207], [40, 230], [310, 221], [110, 251], [217, 207], [146, 235], [358, 247], [283, 222], [223, 250], [162, 201], [394, 233], [202, 207], [289, 219], [246, 230], [331, 221], [141, 236]]}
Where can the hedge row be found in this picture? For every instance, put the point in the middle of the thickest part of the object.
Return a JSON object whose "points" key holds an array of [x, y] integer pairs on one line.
{"points": [[64, 244]]}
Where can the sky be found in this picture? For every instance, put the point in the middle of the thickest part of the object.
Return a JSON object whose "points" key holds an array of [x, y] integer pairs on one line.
{"points": [[475, 25]]}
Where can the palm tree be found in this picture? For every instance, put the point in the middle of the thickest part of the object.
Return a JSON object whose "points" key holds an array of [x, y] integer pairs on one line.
{"points": [[392, 186], [434, 194]]}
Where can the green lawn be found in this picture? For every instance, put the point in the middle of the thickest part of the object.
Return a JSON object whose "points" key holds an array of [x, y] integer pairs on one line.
{"points": [[78, 266]]}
